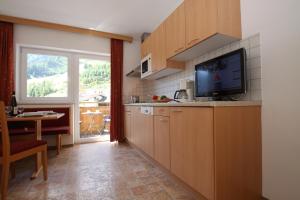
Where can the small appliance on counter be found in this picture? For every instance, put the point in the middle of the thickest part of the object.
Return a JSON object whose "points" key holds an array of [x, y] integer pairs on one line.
{"points": [[186, 91], [134, 99], [181, 95]]}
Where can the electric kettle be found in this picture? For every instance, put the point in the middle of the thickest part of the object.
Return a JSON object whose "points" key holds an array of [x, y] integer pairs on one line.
{"points": [[181, 95]]}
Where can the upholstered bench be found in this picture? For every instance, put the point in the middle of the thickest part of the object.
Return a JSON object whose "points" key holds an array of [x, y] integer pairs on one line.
{"points": [[49, 127]]}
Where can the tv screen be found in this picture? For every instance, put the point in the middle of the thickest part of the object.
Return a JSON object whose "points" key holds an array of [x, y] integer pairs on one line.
{"points": [[221, 76]]}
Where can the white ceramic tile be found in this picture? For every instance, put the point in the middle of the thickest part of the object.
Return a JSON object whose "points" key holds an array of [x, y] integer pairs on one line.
{"points": [[254, 63], [255, 84], [255, 73], [255, 52], [254, 41], [245, 43], [169, 84]]}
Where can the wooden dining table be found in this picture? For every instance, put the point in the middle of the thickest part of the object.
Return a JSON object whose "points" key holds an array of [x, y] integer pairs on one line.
{"points": [[38, 133]]}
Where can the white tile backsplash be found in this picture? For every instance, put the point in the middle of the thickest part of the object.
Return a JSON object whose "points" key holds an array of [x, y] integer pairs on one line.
{"points": [[168, 85]]}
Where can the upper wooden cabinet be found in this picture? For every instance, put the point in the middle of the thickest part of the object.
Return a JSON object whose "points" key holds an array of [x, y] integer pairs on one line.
{"points": [[146, 47], [194, 28], [205, 18], [158, 50], [201, 20], [175, 32], [155, 45]]}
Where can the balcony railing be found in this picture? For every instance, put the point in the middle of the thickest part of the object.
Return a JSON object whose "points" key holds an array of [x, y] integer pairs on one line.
{"points": [[92, 119]]}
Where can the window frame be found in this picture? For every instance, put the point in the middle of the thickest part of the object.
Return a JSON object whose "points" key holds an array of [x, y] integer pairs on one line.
{"points": [[22, 76]]}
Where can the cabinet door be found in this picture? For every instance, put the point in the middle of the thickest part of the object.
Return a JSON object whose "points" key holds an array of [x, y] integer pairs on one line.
{"points": [[201, 20], [146, 47], [135, 125], [191, 136], [158, 48], [128, 126], [162, 140], [143, 136], [147, 134], [175, 32]]}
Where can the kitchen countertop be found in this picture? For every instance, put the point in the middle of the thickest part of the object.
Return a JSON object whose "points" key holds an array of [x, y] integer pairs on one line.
{"points": [[199, 104]]}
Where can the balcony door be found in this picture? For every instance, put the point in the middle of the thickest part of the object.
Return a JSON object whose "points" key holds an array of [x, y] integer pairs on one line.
{"points": [[93, 99]]}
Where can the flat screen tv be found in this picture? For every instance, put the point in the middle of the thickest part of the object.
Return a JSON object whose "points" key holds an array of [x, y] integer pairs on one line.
{"points": [[222, 76]]}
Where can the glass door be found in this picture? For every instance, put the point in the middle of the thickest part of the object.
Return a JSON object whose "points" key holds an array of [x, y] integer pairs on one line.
{"points": [[93, 105]]}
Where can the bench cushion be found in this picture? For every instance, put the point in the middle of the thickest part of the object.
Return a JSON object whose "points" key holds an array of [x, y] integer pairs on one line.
{"points": [[45, 131], [21, 131], [20, 146]]}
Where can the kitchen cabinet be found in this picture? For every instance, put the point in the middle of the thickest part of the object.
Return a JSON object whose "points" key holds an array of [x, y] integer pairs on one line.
{"points": [[238, 153], [201, 20], [206, 18], [148, 135], [158, 49], [162, 137], [127, 129], [155, 45], [215, 150], [194, 28], [142, 130], [138, 130], [191, 134], [146, 47], [175, 32]]}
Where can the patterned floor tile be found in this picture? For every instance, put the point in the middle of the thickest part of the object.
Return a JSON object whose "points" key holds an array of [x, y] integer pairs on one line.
{"points": [[98, 171]]}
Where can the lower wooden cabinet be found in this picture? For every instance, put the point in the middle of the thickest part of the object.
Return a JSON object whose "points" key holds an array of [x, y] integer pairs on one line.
{"points": [[214, 150], [127, 124], [191, 131], [162, 140], [238, 153], [142, 129]]}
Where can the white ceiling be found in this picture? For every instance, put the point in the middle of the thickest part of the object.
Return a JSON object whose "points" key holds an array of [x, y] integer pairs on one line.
{"points": [[129, 17]]}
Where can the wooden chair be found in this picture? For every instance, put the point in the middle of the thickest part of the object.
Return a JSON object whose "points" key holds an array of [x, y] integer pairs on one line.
{"points": [[13, 151]]}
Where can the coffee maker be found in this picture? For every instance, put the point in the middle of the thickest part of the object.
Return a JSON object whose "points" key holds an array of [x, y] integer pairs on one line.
{"points": [[185, 92]]}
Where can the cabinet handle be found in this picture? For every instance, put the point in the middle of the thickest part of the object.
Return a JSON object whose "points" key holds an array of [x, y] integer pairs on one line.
{"points": [[164, 120], [193, 41], [176, 110], [181, 48]]}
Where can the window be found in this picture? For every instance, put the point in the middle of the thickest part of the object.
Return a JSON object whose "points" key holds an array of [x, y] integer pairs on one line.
{"points": [[44, 75], [47, 76]]}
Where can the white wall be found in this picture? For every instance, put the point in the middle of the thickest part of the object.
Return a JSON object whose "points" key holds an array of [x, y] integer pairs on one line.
{"points": [[58, 39], [131, 60], [277, 22]]}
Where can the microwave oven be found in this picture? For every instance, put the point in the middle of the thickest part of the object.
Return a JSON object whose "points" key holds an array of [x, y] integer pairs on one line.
{"points": [[146, 66]]}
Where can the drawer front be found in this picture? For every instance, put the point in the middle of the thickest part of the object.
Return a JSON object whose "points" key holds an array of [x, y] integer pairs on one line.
{"points": [[127, 108], [162, 111]]}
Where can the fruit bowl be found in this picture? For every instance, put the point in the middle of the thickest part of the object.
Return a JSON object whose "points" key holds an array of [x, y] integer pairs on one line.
{"points": [[162, 100]]}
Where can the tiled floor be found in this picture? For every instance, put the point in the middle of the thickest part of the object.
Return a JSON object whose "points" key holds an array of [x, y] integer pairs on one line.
{"points": [[97, 171]]}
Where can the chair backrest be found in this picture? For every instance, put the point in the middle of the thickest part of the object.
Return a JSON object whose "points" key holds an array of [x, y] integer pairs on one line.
{"points": [[4, 132]]}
